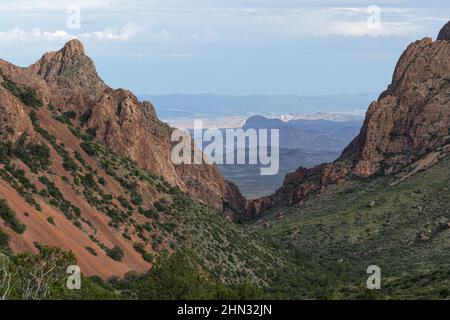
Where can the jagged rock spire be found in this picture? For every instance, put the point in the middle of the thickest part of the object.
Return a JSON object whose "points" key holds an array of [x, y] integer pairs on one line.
{"points": [[71, 69]]}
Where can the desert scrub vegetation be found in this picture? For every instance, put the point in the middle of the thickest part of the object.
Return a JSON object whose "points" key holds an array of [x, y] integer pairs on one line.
{"points": [[43, 277], [92, 251], [10, 217], [17, 179], [122, 169], [28, 96], [51, 220], [4, 242], [410, 217], [140, 248], [68, 163], [116, 253], [178, 277], [35, 156], [56, 199], [65, 117]]}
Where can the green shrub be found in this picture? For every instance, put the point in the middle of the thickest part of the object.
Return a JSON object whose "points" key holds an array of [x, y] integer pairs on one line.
{"points": [[10, 218], [51, 220], [67, 117], [140, 248], [116, 253], [52, 189], [102, 181], [126, 236], [69, 164], [136, 198], [35, 156], [147, 226], [91, 251], [58, 200], [6, 151], [150, 213], [20, 176], [4, 241], [147, 257], [77, 211], [88, 181], [169, 227], [89, 148], [124, 203], [178, 278]]}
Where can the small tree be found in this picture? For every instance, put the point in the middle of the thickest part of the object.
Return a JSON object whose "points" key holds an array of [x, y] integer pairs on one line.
{"points": [[116, 253]]}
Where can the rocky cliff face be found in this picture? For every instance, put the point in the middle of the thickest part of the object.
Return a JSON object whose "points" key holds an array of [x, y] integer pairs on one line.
{"points": [[128, 126], [409, 120]]}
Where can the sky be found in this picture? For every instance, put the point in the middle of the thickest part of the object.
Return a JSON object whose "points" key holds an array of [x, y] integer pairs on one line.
{"points": [[226, 46]]}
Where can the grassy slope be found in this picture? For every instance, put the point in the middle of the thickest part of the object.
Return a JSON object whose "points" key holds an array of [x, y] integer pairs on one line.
{"points": [[338, 226]]}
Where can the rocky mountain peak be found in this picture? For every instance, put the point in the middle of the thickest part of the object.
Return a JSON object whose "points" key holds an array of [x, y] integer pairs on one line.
{"points": [[444, 34], [73, 47], [72, 70]]}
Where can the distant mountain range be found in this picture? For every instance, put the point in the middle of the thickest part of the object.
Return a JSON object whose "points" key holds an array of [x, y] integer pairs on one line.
{"points": [[309, 135], [305, 143], [176, 106], [238, 121]]}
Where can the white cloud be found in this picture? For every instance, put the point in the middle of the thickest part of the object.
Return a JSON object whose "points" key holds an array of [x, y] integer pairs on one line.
{"points": [[174, 22], [346, 21], [127, 32]]}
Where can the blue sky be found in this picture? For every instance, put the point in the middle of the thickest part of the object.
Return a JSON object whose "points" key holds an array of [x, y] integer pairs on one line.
{"points": [[226, 47]]}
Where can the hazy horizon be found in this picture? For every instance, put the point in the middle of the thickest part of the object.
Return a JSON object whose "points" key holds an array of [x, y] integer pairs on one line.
{"points": [[179, 110]]}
